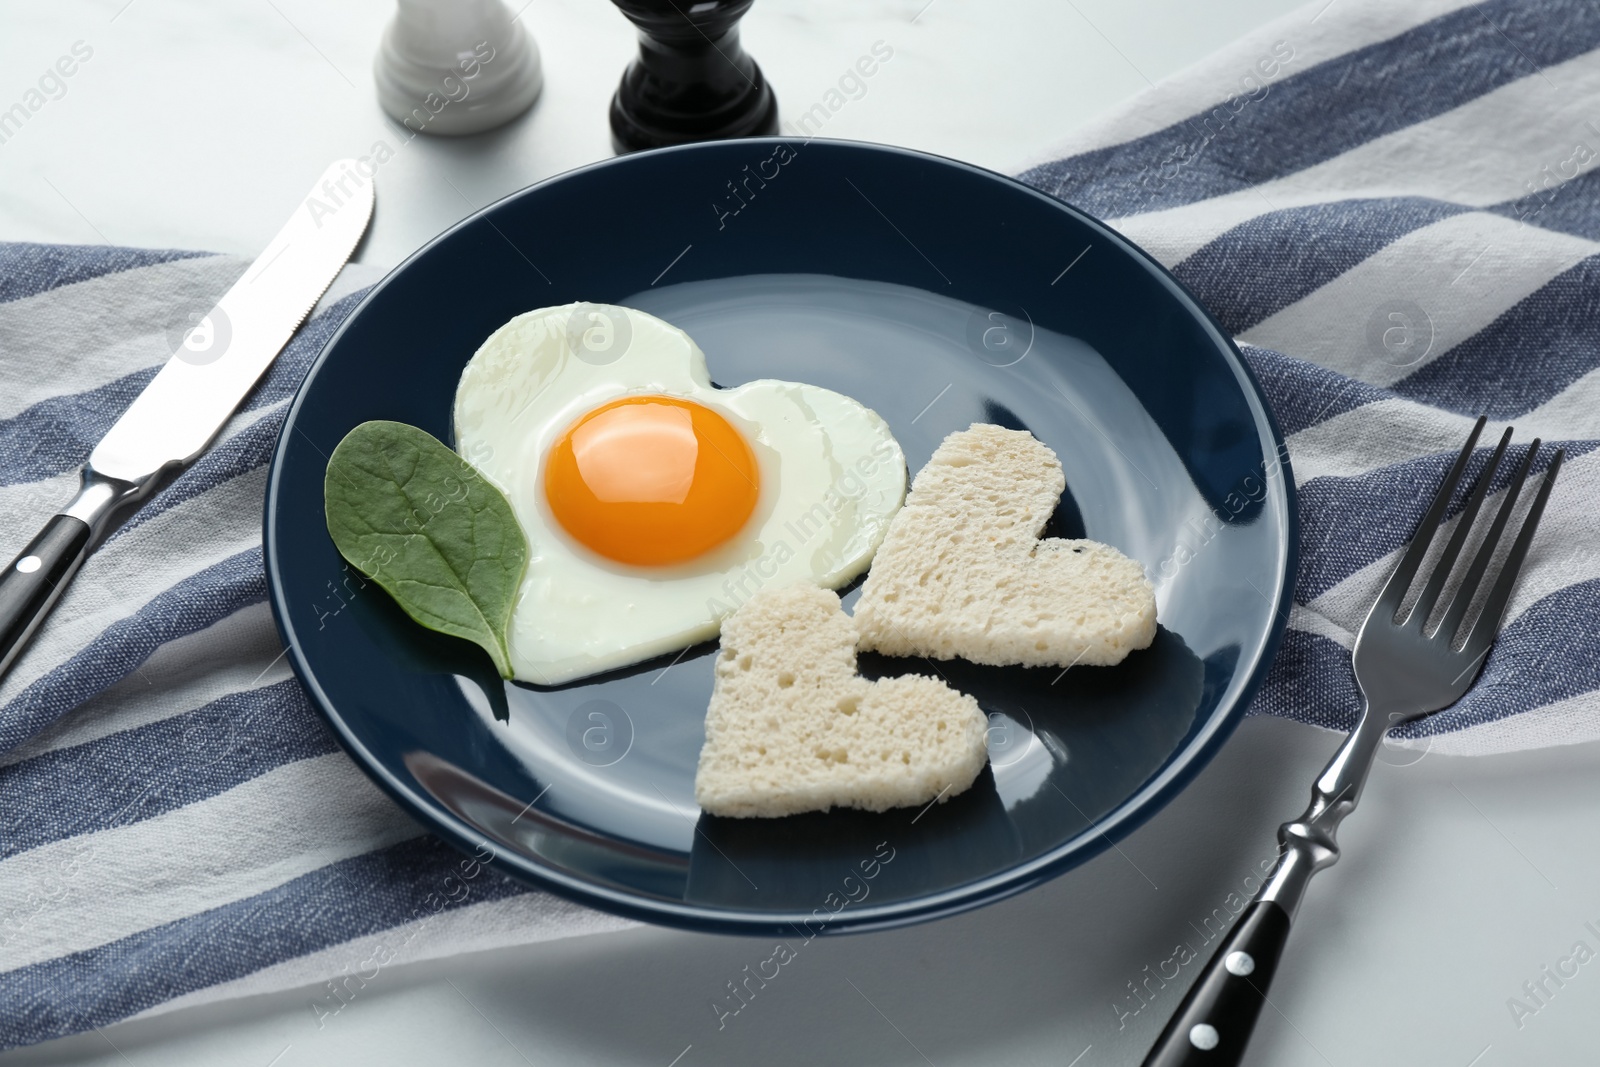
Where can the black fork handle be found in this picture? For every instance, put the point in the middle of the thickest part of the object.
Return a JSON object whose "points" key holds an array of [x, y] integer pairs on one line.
{"points": [[1213, 1024], [35, 580]]}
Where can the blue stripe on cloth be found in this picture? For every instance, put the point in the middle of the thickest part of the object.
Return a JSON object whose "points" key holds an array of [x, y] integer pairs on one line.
{"points": [[1349, 523], [30, 269], [57, 435], [1550, 652], [1525, 358], [1572, 207], [353, 898], [1311, 116], [1311, 681], [1262, 266], [187, 607], [1303, 394], [137, 774]]}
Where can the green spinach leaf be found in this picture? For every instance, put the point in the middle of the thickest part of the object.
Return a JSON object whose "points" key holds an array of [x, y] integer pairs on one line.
{"points": [[409, 513]]}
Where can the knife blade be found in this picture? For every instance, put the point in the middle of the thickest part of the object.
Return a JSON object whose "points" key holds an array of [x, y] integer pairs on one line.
{"points": [[194, 394]]}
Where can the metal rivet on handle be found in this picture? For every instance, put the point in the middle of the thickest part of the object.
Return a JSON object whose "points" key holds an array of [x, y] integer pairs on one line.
{"points": [[29, 564], [1203, 1037], [1239, 963]]}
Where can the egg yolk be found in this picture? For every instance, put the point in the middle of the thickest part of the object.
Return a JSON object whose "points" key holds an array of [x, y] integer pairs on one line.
{"points": [[651, 480]]}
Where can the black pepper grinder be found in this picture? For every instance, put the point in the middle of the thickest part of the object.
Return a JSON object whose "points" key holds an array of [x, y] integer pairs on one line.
{"points": [[691, 81]]}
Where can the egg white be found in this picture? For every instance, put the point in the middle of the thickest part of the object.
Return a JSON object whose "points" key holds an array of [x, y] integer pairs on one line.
{"points": [[831, 477]]}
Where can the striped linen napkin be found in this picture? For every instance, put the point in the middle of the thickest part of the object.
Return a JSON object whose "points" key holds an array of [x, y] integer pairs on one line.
{"points": [[1391, 206]]}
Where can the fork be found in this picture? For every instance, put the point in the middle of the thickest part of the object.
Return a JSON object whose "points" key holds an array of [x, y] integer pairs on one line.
{"points": [[1405, 670]]}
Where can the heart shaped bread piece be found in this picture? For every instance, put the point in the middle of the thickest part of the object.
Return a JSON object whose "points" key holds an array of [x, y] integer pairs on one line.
{"points": [[962, 571], [792, 727]]}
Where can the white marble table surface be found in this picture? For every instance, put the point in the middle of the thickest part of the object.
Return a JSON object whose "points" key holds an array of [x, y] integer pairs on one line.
{"points": [[1462, 878]]}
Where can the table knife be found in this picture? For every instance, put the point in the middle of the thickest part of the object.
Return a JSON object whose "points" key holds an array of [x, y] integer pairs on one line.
{"points": [[192, 396]]}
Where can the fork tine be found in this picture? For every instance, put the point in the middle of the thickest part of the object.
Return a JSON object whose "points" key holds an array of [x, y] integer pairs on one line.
{"points": [[1395, 591], [1447, 561], [1468, 589], [1488, 624]]}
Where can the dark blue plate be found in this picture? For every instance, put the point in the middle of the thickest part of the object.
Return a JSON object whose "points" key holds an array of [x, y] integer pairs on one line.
{"points": [[938, 294]]}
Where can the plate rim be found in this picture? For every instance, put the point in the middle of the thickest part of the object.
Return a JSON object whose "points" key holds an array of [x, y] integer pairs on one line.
{"points": [[1130, 814]]}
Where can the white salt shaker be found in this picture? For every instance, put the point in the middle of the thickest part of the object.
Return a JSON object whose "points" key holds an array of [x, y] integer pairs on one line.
{"points": [[456, 66]]}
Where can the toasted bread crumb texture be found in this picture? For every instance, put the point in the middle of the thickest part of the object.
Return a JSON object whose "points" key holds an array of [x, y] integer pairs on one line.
{"points": [[963, 573], [792, 727]]}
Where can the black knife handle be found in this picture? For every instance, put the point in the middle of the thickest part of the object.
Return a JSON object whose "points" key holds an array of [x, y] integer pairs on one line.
{"points": [[1213, 1024], [34, 580]]}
